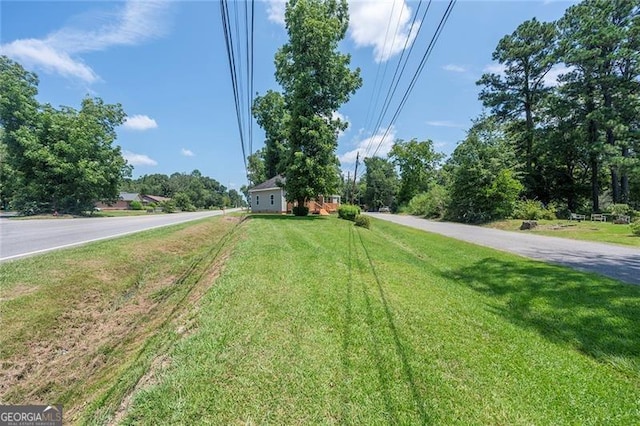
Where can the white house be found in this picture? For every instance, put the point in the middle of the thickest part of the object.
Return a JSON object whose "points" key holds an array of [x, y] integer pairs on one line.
{"points": [[269, 196]]}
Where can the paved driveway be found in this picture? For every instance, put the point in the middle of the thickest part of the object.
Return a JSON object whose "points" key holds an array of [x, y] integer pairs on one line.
{"points": [[619, 262], [20, 238]]}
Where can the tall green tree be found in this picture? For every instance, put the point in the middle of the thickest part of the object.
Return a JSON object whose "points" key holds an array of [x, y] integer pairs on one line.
{"points": [[600, 41], [483, 185], [316, 80], [70, 162], [256, 167], [271, 114], [18, 115], [6, 175], [417, 162], [60, 159], [527, 56], [564, 155], [381, 183]]}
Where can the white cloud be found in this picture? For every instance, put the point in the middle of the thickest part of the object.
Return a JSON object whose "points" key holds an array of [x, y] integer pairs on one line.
{"points": [[495, 69], [368, 26], [368, 22], [138, 159], [187, 152], [136, 22], [368, 146], [551, 78], [336, 115], [140, 122], [454, 68], [36, 53], [444, 123], [275, 10]]}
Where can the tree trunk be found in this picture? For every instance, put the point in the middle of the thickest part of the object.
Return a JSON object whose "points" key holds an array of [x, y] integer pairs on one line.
{"points": [[529, 135], [595, 167], [593, 160], [299, 210], [595, 187], [615, 181], [615, 184], [624, 181]]}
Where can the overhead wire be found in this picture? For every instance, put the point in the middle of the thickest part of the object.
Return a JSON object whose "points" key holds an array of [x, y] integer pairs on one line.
{"points": [[242, 75], [367, 120], [224, 12], [398, 73], [425, 57]]}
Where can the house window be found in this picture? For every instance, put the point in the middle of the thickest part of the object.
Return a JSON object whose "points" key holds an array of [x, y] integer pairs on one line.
{"points": [[257, 200], [271, 199]]}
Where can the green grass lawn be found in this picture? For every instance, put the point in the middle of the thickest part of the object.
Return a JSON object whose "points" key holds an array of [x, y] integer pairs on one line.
{"points": [[605, 232], [314, 321]]}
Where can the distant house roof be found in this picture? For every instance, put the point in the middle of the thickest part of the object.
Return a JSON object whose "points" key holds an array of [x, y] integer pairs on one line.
{"points": [[130, 196], [155, 198], [270, 184]]}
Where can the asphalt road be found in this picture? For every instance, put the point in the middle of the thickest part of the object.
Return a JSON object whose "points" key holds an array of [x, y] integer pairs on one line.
{"points": [[619, 262], [20, 238]]}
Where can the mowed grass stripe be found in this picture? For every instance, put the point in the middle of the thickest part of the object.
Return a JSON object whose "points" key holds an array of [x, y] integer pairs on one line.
{"points": [[314, 321]]}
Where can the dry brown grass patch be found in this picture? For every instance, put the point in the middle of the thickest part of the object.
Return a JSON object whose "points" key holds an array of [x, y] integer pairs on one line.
{"points": [[100, 310]]}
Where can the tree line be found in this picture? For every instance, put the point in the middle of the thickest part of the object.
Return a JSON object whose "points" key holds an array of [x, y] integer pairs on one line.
{"points": [[65, 160], [55, 159], [188, 192], [570, 144]]}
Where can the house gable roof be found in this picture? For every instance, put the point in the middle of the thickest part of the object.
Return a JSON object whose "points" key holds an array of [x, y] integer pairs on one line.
{"points": [[270, 184], [155, 198], [130, 196]]}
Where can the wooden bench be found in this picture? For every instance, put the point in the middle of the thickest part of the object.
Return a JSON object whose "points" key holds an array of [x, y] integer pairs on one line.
{"points": [[598, 216], [624, 218], [578, 217]]}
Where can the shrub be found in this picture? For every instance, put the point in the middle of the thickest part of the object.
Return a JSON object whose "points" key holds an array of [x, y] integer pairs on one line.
{"points": [[618, 209], [348, 212], [533, 210], [300, 210], [635, 227], [362, 220], [135, 205], [168, 206], [429, 204]]}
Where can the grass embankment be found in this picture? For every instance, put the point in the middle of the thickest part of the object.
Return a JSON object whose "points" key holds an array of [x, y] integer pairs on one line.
{"points": [[315, 321], [103, 213], [80, 327], [120, 213], [604, 232]]}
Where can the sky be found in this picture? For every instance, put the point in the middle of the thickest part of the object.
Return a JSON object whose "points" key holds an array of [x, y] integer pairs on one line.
{"points": [[166, 63]]}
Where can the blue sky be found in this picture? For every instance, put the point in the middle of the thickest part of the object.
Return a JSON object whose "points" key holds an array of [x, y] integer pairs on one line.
{"points": [[165, 62]]}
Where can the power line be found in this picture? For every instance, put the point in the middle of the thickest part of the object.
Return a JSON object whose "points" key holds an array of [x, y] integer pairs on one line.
{"points": [[425, 57], [395, 80], [384, 47], [240, 71], [224, 12]]}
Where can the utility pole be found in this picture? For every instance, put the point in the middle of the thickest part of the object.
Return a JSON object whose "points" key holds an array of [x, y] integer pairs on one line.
{"points": [[348, 185], [355, 174]]}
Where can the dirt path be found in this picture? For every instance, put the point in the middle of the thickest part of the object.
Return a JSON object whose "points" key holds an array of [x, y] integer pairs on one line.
{"points": [[619, 262]]}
